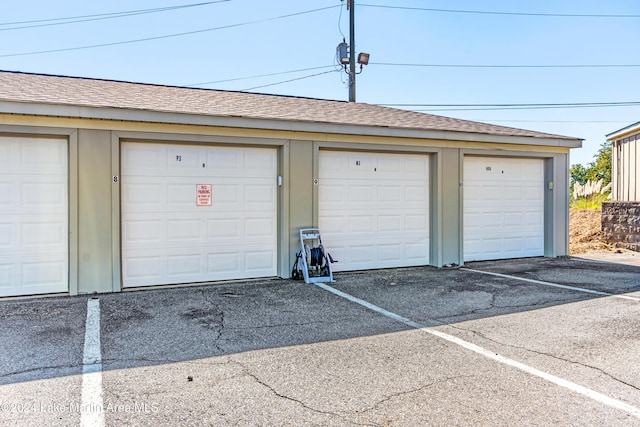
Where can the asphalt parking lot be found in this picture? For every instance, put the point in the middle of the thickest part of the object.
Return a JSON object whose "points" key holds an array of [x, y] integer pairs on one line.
{"points": [[519, 342]]}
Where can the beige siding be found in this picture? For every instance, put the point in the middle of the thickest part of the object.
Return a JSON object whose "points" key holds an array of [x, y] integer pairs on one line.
{"points": [[625, 173], [94, 211]]}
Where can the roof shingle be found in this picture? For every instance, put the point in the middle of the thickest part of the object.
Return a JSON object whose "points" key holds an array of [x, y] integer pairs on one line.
{"points": [[86, 92]]}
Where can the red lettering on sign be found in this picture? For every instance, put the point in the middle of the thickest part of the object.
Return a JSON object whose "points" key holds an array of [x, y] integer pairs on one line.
{"points": [[204, 194]]}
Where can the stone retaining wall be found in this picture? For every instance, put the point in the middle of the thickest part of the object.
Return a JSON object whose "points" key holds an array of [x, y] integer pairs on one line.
{"points": [[621, 224]]}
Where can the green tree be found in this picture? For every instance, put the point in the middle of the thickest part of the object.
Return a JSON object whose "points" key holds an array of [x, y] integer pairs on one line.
{"points": [[578, 174], [600, 168]]}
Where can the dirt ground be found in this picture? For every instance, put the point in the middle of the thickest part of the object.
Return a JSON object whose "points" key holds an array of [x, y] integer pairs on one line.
{"points": [[585, 234]]}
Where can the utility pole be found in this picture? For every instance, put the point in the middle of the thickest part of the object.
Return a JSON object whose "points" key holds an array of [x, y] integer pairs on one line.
{"points": [[352, 50], [348, 59]]}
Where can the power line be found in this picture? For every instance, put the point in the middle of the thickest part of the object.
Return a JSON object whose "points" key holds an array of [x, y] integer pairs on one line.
{"points": [[290, 80], [494, 107], [520, 108], [558, 104], [398, 64], [483, 12], [97, 17], [166, 36], [260, 75], [554, 121]]}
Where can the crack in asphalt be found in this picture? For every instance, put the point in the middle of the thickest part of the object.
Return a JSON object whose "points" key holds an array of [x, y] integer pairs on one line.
{"points": [[553, 356], [221, 324], [448, 319], [415, 390], [40, 368], [247, 372], [277, 325]]}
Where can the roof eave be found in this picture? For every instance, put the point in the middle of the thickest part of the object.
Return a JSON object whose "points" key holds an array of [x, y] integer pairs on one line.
{"points": [[620, 133], [135, 115]]}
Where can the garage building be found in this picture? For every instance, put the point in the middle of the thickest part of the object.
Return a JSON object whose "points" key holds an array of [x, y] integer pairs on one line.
{"points": [[108, 185]]}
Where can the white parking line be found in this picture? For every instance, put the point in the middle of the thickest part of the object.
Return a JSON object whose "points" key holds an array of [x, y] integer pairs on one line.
{"points": [[555, 285], [91, 408], [598, 397]]}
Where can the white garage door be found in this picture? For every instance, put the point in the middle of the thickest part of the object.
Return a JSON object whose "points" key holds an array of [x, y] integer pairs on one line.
{"points": [[374, 209], [503, 208], [196, 214], [33, 216]]}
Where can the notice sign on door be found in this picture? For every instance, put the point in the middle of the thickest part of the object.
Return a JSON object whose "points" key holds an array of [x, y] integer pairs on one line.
{"points": [[203, 194]]}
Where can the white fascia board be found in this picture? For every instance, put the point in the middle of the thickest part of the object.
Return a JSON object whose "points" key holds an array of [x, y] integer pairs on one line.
{"points": [[632, 128], [132, 115]]}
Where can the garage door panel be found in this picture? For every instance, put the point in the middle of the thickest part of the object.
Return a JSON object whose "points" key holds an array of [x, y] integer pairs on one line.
{"points": [[390, 253], [6, 235], [512, 193], [361, 224], [503, 208], [142, 268], [221, 228], [417, 223], [513, 219], [135, 194], [190, 265], [533, 243], [224, 263], [360, 255], [7, 277], [385, 211], [233, 238], [260, 194], [491, 194], [535, 218], [184, 230], [151, 228], [226, 195], [260, 227], [6, 195], [415, 168], [43, 234], [140, 160], [361, 194], [184, 265], [183, 160], [390, 194], [44, 194], [472, 194], [492, 246], [417, 251], [142, 231], [44, 274], [258, 261], [532, 194], [334, 193], [41, 157], [33, 216], [492, 219], [261, 163], [333, 224], [177, 195], [514, 244], [33, 275], [225, 160], [416, 194], [390, 223]]}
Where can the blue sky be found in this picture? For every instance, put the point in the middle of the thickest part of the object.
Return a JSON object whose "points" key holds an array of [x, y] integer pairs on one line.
{"points": [[231, 42]]}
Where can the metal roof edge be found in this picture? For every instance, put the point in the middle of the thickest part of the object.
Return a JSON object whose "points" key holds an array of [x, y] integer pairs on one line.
{"points": [[623, 131]]}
